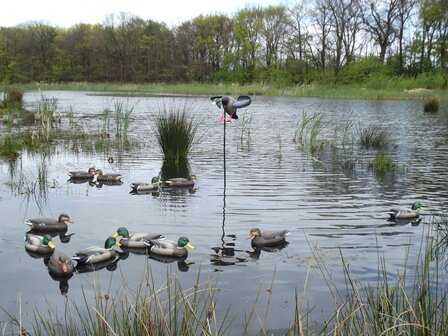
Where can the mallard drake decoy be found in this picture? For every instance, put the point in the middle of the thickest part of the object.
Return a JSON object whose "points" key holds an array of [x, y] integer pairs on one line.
{"points": [[230, 105], [136, 240], [60, 265], [401, 213], [107, 177], [179, 182], [96, 254], [267, 238], [169, 247], [145, 186], [39, 244], [80, 174], [49, 224]]}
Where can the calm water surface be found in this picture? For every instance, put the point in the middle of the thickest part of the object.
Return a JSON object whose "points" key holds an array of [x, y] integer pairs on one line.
{"points": [[271, 183]]}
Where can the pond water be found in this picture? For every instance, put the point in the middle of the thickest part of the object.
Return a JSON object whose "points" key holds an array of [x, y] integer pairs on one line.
{"points": [[331, 201]]}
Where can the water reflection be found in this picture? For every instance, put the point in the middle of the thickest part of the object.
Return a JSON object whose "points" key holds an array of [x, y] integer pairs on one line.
{"points": [[255, 254], [110, 264]]}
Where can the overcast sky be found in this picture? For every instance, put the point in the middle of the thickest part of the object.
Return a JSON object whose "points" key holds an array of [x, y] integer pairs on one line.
{"points": [[60, 13]]}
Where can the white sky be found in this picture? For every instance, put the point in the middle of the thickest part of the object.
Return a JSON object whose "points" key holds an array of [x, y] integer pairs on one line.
{"points": [[60, 13]]}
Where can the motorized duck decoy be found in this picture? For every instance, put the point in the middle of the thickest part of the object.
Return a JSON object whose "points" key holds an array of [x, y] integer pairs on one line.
{"points": [[82, 175], [146, 186], [169, 247], [230, 105], [136, 240], [107, 177], [49, 224], [60, 265], [180, 182], [402, 213], [97, 254], [267, 238], [39, 244]]}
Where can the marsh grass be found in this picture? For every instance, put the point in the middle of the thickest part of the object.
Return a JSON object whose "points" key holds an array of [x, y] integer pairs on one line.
{"points": [[308, 129], [176, 130], [375, 136], [12, 99], [45, 116], [245, 129], [431, 105], [404, 304], [123, 114]]}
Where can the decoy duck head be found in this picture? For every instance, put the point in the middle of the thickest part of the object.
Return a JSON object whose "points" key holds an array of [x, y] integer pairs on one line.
{"points": [[64, 218], [122, 231], [46, 241], [255, 232], [111, 242], [184, 242], [417, 205]]}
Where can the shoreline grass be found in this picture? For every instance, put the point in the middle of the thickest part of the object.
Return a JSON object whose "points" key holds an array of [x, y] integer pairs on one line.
{"points": [[390, 90]]}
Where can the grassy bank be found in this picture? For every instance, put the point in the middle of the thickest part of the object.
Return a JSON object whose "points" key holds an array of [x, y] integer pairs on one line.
{"points": [[386, 90]]}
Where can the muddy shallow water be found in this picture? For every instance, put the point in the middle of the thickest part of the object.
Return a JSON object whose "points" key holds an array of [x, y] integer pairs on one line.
{"points": [[330, 200]]}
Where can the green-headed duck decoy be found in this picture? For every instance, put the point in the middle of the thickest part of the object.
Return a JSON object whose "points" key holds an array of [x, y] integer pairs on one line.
{"points": [[179, 182], [136, 240], [169, 247], [230, 105], [39, 244], [60, 265], [267, 238], [107, 177], [97, 254], [399, 213], [146, 186], [82, 175], [49, 224]]}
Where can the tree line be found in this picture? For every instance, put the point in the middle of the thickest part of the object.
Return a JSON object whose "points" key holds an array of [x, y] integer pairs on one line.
{"points": [[321, 41]]}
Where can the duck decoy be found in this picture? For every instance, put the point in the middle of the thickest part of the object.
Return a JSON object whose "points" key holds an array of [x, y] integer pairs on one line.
{"points": [[60, 265], [180, 182], [82, 175], [230, 105], [107, 177], [136, 240], [97, 254], [267, 238], [146, 186], [169, 247], [49, 224], [402, 213], [39, 244]]}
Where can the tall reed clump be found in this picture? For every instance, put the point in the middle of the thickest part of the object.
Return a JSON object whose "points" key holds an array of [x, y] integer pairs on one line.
{"points": [[13, 99], [45, 115], [431, 105], [308, 128], [123, 114], [374, 136], [176, 130]]}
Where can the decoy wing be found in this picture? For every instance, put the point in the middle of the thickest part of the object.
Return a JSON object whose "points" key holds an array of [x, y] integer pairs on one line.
{"points": [[242, 101]]}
